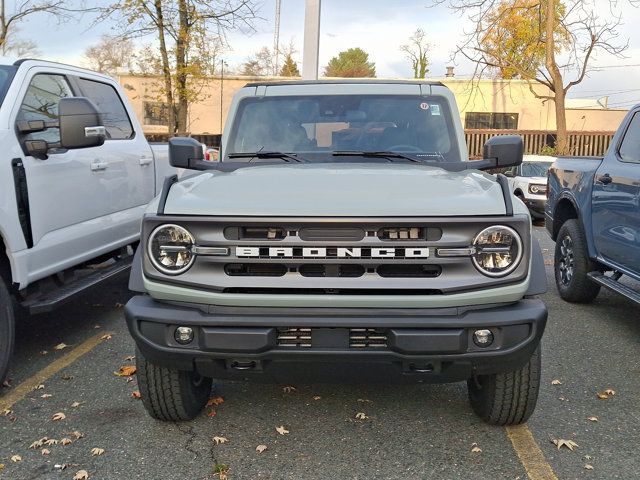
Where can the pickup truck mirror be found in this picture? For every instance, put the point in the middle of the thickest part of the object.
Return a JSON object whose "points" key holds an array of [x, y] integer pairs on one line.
{"points": [[186, 152], [80, 123], [504, 151]]}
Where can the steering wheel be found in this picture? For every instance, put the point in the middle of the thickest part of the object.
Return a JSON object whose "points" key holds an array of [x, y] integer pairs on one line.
{"points": [[404, 148]]}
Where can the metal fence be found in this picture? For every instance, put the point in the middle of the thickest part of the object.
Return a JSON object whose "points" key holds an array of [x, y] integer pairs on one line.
{"points": [[536, 142]]}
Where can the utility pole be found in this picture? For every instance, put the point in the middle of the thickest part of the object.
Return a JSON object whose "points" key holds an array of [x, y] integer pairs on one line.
{"points": [[311, 40], [221, 93], [276, 39]]}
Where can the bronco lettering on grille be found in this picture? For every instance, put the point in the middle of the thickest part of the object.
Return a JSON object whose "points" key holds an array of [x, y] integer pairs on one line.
{"points": [[331, 252]]}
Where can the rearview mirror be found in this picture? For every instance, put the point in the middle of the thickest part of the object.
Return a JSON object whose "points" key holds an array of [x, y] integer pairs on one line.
{"points": [[80, 123], [504, 151], [186, 152]]}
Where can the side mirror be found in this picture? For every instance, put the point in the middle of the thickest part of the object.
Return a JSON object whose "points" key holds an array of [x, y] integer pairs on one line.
{"points": [[80, 123], [186, 152], [509, 173], [504, 151]]}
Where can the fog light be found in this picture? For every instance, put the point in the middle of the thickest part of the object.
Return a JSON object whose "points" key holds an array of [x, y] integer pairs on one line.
{"points": [[183, 335], [483, 338]]}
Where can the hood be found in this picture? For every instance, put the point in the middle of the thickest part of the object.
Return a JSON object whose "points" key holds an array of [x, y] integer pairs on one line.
{"points": [[538, 180], [341, 190]]}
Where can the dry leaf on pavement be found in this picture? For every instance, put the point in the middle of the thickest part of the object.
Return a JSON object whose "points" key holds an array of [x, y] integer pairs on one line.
{"points": [[39, 387], [66, 441], [60, 346], [281, 430], [35, 445], [361, 416], [556, 382], [75, 404], [214, 401], [46, 395], [16, 458], [45, 451], [560, 442], [475, 448], [593, 418], [610, 392], [261, 448], [212, 413], [77, 434], [97, 451], [137, 395], [51, 441], [67, 376], [2, 466], [126, 371], [130, 358], [317, 397], [219, 440], [81, 475], [107, 336], [588, 467], [58, 416], [289, 389]]}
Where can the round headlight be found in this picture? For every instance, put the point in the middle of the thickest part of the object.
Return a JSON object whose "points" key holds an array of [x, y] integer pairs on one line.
{"points": [[498, 251], [169, 249]]}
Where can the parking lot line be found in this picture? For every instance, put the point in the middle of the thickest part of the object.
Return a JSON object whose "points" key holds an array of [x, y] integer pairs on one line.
{"points": [[529, 453], [20, 391]]}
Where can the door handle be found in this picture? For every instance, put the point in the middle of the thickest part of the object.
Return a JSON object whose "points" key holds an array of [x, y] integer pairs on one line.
{"points": [[96, 166], [605, 179], [145, 161]]}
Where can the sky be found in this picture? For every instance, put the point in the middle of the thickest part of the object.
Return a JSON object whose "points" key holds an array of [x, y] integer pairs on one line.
{"points": [[379, 27]]}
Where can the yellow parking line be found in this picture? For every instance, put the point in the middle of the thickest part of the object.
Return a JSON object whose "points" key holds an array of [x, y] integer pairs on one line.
{"points": [[20, 391], [529, 453]]}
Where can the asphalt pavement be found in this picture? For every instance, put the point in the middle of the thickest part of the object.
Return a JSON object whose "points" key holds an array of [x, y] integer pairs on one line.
{"points": [[421, 431]]}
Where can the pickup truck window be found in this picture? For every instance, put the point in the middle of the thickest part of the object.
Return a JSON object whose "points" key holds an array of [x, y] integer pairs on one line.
{"points": [[630, 146], [315, 126], [535, 169], [41, 103], [110, 106], [6, 75]]}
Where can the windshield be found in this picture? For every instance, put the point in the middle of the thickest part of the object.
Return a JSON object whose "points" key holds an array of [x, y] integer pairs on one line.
{"points": [[6, 75], [535, 169], [316, 126]]}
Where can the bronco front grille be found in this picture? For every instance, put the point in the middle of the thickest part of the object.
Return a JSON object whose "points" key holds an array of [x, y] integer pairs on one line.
{"points": [[359, 338]]}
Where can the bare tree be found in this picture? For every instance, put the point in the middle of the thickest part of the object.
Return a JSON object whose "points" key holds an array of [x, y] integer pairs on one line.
{"points": [[569, 39], [190, 35], [416, 51], [110, 55], [14, 45], [260, 63]]}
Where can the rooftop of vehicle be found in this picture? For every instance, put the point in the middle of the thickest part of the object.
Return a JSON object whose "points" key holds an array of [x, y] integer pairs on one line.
{"points": [[339, 81]]}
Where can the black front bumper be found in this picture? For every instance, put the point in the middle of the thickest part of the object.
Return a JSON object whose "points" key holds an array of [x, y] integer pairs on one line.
{"points": [[422, 345]]}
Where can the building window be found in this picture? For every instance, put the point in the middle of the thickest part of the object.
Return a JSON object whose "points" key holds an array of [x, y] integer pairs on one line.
{"points": [[156, 113], [493, 121]]}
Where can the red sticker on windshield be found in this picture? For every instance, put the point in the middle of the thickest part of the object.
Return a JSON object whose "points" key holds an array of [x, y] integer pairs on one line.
{"points": [[424, 106]]}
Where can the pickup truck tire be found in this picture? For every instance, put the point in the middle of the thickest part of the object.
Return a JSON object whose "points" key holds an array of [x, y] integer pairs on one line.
{"points": [[572, 264], [507, 398], [7, 329], [169, 394]]}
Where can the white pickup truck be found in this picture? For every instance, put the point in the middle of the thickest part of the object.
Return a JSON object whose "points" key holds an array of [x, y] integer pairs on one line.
{"points": [[75, 177]]}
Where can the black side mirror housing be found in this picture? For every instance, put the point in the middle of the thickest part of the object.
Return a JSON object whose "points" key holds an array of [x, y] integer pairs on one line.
{"points": [[186, 152], [504, 151], [80, 123]]}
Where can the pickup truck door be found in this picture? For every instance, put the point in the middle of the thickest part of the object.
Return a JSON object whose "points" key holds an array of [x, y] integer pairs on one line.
{"points": [[616, 201], [80, 201]]}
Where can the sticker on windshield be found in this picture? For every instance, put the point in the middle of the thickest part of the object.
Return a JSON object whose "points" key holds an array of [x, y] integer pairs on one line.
{"points": [[435, 109], [424, 106]]}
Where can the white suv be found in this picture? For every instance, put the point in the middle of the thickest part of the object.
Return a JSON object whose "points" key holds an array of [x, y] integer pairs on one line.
{"points": [[528, 182]]}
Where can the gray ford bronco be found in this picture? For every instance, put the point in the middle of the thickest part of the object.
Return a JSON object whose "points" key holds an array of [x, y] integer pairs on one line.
{"points": [[344, 236]]}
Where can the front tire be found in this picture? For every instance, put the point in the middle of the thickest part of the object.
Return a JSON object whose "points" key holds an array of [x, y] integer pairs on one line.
{"points": [[7, 329], [169, 394], [572, 264], [507, 398]]}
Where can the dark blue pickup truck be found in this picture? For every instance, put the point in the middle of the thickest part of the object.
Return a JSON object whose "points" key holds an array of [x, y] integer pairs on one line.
{"points": [[593, 215]]}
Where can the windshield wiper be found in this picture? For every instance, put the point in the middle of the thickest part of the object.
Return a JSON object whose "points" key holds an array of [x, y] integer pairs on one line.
{"points": [[378, 154], [287, 157]]}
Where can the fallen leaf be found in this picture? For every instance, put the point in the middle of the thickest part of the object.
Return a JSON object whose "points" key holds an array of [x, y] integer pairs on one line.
{"points": [[361, 416], [97, 451], [475, 448], [60, 346], [58, 416], [6, 412], [97, 326], [51, 441], [126, 371], [289, 389], [35, 445], [556, 382], [261, 448], [130, 358], [219, 440], [77, 434], [67, 376], [281, 430], [563, 399], [75, 404], [46, 395], [129, 379], [45, 451], [106, 336], [588, 467], [610, 392], [587, 457], [2, 466], [570, 444], [81, 475], [136, 395], [212, 413], [16, 458], [214, 401], [66, 441], [364, 400], [118, 305], [592, 419], [44, 352], [59, 466], [317, 397], [39, 387]]}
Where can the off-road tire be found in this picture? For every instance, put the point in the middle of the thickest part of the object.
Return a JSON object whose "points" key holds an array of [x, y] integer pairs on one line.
{"points": [[7, 329], [507, 398], [577, 287], [171, 395]]}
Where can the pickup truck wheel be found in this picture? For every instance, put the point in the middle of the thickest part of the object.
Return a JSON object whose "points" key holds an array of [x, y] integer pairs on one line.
{"points": [[169, 394], [507, 398], [572, 264], [7, 329]]}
